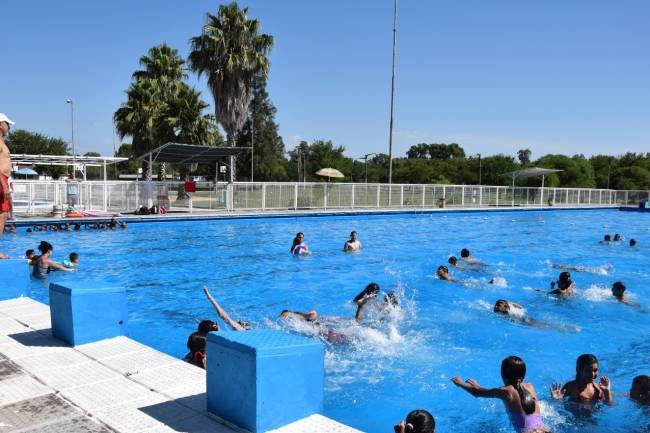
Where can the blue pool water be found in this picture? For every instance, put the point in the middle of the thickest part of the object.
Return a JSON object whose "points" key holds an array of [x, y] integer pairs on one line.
{"points": [[405, 361]]}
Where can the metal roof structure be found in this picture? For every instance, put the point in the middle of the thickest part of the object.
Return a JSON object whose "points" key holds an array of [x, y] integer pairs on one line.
{"points": [[77, 162], [530, 172], [178, 153], [91, 161]]}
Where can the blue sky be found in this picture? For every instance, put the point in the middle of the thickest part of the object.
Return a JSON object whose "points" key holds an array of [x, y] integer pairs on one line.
{"points": [[495, 76]]}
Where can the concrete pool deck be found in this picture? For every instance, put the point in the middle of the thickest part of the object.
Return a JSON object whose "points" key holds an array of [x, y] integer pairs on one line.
{"points": [[113, 385]]}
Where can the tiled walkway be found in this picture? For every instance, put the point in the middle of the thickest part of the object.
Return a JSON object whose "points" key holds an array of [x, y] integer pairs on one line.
{"points": [[115, 385]]}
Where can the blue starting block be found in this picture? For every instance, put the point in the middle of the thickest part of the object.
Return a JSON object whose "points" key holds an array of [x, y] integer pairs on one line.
{"points": [[82, 315], [264, 379]]}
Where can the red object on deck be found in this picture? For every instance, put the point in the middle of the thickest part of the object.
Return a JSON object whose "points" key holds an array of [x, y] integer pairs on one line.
{"points": [[190, 186]]}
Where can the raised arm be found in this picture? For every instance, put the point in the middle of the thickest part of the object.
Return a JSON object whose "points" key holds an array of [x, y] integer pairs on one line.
{"points": [[361, 305], [471, 386], [221, 312], [606, 388]]}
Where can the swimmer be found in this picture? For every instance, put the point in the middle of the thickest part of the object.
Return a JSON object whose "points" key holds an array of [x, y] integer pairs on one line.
{"points": [[370, 294], [299, 247], [467, 257], [565, 286], [236, 326], [640, 390], [66, 227], [11, 228], [518, 313], [618, 238], [618, 291], [123, 224], [196, 346], [519, 398], [29, 255], [607, 239], [584, 388], [632, 242], [43, 264], [72, 262], [443, 274], [417, 421], [322, 324], [77, 227], [353, 244]]}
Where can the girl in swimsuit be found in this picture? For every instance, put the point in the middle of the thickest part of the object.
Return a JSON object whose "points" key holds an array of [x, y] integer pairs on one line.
{"points": [[417, 421], [299, 247], [584, 388], [42, 264], [519, 398]]}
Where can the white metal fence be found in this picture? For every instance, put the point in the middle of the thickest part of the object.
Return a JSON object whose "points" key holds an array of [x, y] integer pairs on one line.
{"points": [[40, 197]]}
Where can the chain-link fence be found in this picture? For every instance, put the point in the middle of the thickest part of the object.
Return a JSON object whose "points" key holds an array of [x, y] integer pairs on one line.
{"points": [[42, 197]]}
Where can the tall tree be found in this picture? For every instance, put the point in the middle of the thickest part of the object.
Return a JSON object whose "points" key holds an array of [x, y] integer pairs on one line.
{"points": [[162, 107], [34, 143], [524, 156], [268, 152], [231, 52]]}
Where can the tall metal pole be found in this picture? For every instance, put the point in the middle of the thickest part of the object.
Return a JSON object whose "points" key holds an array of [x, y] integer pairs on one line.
{"points": [[480, 170], [252, 143], [74, 150], [392, 99]]}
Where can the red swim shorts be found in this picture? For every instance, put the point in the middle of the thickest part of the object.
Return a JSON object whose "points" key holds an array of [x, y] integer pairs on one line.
{"points": [[5, 194]]}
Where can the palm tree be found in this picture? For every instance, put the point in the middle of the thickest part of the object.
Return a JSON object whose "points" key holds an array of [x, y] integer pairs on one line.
{"points": [[230, 51]]}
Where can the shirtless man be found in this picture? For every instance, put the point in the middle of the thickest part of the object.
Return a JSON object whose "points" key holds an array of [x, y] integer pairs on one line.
{"points": [[353, 244], [5, 172]]}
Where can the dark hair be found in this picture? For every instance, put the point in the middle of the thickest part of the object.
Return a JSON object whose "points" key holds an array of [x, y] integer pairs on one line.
{"points": [[500, 302], [453, 260], [632, 242], [464, 253], [583, 361], [617, 237], [643, 383], [206, 326], [29, 230], [196, 342], [371, 289], [45, 247], [392, 299], [420, 421], [74, 256], [29, 253], [513, 372], [564, 280], [77, 226], [618, 287], [444, 268], [608, 238]]}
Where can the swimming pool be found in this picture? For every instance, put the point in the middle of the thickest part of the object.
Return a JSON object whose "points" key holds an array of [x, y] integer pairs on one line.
{"points": [[445, 329]]}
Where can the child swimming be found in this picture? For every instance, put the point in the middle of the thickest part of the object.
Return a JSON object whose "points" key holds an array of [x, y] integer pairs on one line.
{"points": [[236, 326], [565, 286], [618, 291], [72, 262], [640, 390], [417, 421], [443, 274], [519, 398], [584, 388]]}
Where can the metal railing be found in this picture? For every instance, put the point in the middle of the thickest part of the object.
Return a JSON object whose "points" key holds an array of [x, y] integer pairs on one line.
{"points": [[41, 197]]}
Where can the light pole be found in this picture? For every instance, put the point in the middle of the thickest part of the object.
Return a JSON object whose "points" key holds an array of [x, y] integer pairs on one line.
{"points": [[74, 150], [252, 141], [392, 98], [365, 163], [480, 171]]}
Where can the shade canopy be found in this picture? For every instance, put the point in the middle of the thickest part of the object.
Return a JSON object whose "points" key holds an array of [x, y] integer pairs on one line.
{"points": [[530, 172], [329, 172], [26, 172], [178, 153]]}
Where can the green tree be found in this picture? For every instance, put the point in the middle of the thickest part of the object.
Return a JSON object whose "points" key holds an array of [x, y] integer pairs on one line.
{"points": [[634, 177], [231, 52], [268, 146], [577, 171], [317, 155], [603, 166], [524, 156], [34, 143]]}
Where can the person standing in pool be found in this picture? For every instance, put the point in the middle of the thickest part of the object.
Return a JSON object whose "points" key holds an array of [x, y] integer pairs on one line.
{"points": [[299, 247], [42, 264], [236, 326], [584, 388], [565, 286], [353, 244], [519, 398]]}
